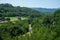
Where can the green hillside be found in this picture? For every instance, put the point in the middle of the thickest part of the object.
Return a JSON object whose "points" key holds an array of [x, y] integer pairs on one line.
{"points": [[8, 10], [21, 23]]}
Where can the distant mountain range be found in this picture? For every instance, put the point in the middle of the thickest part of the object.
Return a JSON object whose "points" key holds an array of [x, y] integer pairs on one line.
{"points": [[45, 10]]}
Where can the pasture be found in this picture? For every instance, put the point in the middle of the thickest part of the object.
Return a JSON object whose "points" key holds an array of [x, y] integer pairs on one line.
{"points": [[17, 18]]}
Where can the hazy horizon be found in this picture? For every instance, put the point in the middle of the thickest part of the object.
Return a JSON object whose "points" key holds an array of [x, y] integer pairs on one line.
{"points": [[33, 3]]}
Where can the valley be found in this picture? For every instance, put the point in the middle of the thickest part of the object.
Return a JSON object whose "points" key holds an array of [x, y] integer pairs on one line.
{"points": [[23, 23]]}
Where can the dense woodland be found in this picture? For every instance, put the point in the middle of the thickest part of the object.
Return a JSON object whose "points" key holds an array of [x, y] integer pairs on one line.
{"points": [[44, 27], [8, 10]]}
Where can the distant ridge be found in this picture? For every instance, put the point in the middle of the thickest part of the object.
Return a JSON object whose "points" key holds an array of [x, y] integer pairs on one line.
{"points": [[46, 10]]}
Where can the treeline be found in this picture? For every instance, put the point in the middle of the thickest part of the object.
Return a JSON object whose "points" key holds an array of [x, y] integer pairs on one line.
{"points": [[7, 10]]}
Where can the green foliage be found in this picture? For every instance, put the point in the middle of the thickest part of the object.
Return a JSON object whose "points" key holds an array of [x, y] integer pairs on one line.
{"points": [[46, 27], [8, 10]]}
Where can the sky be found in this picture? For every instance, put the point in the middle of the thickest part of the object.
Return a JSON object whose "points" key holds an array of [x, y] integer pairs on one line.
{"points": [[34, 3]]}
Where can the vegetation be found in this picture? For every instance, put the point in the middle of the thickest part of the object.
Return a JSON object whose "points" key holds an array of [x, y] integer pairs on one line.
{"points": [[7, 10], [44, 27]]}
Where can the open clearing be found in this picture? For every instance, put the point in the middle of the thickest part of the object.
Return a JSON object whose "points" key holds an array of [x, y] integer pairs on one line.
{"points": [[16, 18]]}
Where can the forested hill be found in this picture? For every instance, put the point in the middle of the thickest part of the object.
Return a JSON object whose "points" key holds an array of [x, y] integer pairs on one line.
{"points": [[10, 10]]}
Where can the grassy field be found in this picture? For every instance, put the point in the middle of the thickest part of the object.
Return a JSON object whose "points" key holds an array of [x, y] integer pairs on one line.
{"points": [[24, 18], [16, 18], [13, 18]]}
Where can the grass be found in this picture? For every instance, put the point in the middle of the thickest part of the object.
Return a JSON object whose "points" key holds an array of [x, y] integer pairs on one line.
{"points": [[24, 18], [12, 18], [16, 18]]}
